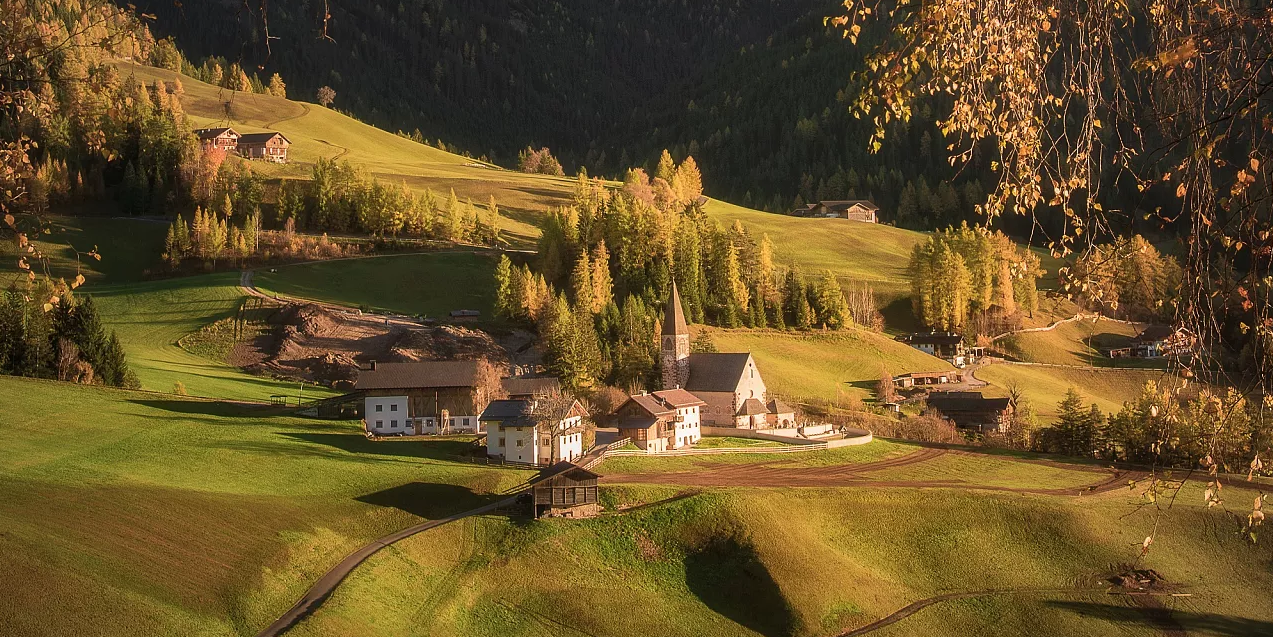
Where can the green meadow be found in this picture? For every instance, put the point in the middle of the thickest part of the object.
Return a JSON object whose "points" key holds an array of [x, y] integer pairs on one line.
{"points": [[1045, 386], [430, 284]]}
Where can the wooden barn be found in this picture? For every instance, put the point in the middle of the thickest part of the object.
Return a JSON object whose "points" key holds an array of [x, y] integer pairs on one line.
{"points": [[225, 139], [427, 397], [566, 490], [270, 146]]}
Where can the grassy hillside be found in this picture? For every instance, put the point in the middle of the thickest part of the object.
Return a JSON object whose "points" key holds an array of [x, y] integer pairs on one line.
{"points": [[824, 365], [1045, 386], [150, 317], [145, 515], [803, 562], [316, 132], [431, 284], [1075, 343], [128, 247], [875, 253]]}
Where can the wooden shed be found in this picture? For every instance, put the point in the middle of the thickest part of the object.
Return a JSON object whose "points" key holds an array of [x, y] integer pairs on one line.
{"points": [[566, 490]]}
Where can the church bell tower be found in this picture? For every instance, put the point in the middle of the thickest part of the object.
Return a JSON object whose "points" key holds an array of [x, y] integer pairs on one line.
{"points": [[675, 343]]}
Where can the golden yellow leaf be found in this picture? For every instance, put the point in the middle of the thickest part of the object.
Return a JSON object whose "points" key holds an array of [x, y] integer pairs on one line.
{"points": [[1181, 190]]}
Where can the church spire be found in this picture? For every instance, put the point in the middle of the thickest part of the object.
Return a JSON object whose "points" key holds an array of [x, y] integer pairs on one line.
{"points": [[673, 316]]}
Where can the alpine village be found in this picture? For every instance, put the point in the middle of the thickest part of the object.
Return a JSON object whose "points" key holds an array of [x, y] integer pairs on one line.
{"points": [[776, 318]]}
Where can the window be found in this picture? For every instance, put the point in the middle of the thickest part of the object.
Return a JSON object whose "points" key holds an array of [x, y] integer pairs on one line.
{"points": [[393, 407], [393, 423], [380, 407], [466, 421], [380, 423], [521, 443]]}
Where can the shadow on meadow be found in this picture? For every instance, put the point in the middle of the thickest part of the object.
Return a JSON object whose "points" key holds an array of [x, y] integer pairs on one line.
{"points": [[427, 499], [1180, 620], [727, 575]]}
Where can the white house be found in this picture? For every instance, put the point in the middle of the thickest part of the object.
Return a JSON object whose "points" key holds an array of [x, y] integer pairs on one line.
{"points": [[538, 431], [668, 419], [427, 397]]}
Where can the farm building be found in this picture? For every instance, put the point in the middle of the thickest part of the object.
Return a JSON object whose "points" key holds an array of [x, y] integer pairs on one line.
{"points": [[527, 387], [426, 397], [725, 382], [537, 431], [271, 146], [668, 419], [913, 379], [565, 490], [971, 410], [225, 139], [853, 210], [1156, 341], [944, 345]]}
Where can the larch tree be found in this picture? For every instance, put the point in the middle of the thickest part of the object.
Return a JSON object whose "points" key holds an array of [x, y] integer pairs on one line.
{"points": [[277, 87]]}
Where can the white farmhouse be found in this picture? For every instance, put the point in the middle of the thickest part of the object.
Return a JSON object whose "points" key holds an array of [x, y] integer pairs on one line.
{"points": [[427, 397], [539, 431]]}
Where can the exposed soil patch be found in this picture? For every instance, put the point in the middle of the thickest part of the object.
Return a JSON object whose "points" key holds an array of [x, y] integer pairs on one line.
{"points": [[318, 344]]}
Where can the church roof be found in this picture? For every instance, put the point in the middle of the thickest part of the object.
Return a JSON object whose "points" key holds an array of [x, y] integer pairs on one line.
{"points": [[752, 407], [673, 316], [716, 371]]}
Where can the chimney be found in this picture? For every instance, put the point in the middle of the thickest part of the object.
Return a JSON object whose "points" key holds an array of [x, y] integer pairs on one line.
{"points": [[373, 365]]}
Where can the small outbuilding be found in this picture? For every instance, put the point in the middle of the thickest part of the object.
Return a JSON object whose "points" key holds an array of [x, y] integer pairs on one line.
{"points": [[566, 490]]}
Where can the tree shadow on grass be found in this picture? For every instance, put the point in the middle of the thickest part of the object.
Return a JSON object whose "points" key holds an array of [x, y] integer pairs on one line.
{"points": [[206, 407], [727, 575], [441, 449], [1206, 623], [430, 500]]}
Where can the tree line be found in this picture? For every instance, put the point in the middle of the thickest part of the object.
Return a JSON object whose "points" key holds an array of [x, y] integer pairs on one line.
{"points": [[606, 265], [64, 339], [963, 273]]}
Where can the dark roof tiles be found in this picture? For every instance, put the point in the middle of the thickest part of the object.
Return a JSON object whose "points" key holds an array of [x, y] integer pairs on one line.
{"points": [[419, 375], [716, 371]]}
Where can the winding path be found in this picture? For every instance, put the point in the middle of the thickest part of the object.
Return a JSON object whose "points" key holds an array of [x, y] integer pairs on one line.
{"points": [[915, 607], [326, 585]]}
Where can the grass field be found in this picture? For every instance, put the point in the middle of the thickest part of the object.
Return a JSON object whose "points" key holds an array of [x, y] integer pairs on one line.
{"points": [[824, 365], [876, 450], [1046, 386], [874, 253], [142, 514], [432, 284], [802, 562], [1076, 343], [151, 317], [317, 132]]}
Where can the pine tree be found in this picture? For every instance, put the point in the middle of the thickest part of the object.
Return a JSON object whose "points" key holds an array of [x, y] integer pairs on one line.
{"points": [[737, 289], [581, 284], [833, 309], [505, 302], [666, 169], [492, 222], [277, 87]]}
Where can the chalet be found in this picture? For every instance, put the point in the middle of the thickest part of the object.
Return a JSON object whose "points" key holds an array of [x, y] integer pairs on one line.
{"points": [[913, 379], [971, 410], [426, 397], [852, 209], [807, 210], [566, 490], [728, 383], [668, 419], [225, 139], [537, 431], [526, 387], [271, 146], [1156, 341], [944, 345]]}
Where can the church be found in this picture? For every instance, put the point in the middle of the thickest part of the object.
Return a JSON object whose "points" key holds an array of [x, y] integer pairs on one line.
{"points": [[729, 383]]}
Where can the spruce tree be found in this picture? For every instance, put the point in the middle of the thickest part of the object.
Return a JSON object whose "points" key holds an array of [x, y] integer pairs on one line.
{"points": [[581, 284]]}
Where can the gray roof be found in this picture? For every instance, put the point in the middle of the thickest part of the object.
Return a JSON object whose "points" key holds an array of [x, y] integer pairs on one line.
{"points": [[751, 407], [716, 371], [420, 375], [935, 338], [522, 386], [651, 404], [506, 411], [965, 401], [778, 407], [845, 204], [1154, 333], [212, 133], [260, 138], [673, 315]]}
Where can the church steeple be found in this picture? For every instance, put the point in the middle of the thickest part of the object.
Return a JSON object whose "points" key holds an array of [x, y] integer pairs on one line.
{"points": [[675, 343], [673, 316]]}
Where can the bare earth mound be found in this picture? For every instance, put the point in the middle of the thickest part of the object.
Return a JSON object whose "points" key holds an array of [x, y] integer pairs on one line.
{"points": [[318, 344]]}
